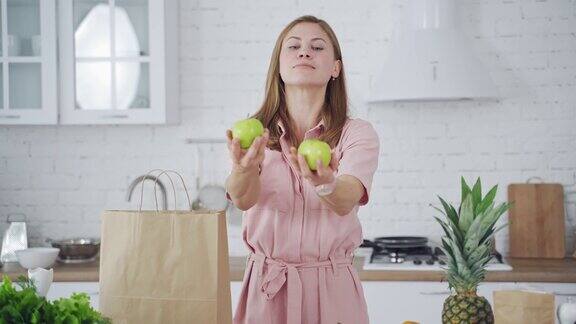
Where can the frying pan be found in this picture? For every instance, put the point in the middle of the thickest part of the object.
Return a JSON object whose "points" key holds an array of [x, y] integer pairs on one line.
{"points": [[396, 242]]}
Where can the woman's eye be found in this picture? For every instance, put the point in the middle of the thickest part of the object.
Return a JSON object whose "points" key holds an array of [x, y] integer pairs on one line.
{"points": [[314, 48]]}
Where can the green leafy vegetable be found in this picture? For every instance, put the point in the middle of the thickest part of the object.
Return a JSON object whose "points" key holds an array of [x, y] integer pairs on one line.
{"points": [[24, 306]]}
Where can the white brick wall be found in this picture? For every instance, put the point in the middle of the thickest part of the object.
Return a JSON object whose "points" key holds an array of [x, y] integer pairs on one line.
{"points": [[62, 177]]}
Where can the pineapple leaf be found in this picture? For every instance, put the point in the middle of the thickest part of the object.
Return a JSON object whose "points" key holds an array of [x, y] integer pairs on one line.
{"points": [[457, 281], [465, 189], [493, 215], [466, 214], [447, 252], [480, 264], [463, 269], [453, 219], [450, 212], [438, 209], [450, 233], [447, 249], [476, 230], [476, 194], [490, 220], [487, 201], [479, 253], [471, 244], [492, 232], [478, 227], [499, 228], [468, 231], [480, 271], [487, 235], [444, 227]]}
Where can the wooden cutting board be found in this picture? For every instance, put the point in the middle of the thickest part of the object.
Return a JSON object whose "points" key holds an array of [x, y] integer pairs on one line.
{"points": [[536, 220]]}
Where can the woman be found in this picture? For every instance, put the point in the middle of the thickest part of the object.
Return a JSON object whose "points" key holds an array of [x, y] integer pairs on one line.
{"points": [[301, 227]]}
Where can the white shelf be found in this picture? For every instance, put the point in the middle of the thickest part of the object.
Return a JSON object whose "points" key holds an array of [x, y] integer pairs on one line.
{"points": [[21, 59]]}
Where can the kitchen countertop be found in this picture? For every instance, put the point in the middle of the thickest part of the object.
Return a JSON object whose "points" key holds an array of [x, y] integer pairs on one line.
{"points": [[525, 270]]}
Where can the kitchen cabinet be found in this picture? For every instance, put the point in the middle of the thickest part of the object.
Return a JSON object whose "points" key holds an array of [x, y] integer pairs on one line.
{"points": [[65, 290], [89, 62], [388, 301], [118, 61], [394, 301], [28, 73]]}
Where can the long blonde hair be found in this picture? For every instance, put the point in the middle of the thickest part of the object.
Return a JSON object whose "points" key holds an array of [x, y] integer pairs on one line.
{"points": [[335, 110]]}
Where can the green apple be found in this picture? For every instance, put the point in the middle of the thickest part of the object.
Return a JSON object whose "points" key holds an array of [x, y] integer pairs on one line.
{"points": [[314, 150], [247, 130]]}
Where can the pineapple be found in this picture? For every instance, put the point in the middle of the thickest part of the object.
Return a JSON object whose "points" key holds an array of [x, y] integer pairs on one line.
{"points": [[467, 244]]}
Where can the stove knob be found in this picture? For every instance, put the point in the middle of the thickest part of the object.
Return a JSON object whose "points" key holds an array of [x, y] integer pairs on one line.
{"points": [[441, 262], [430, 261], [417, 261], [400, 260]]}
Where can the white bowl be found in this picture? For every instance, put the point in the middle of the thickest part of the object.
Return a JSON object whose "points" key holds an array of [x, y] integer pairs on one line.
{"points": [[38, 257]]}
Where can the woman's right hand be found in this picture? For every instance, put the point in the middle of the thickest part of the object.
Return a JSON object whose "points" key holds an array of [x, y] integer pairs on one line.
{"points": [[250, 159]]}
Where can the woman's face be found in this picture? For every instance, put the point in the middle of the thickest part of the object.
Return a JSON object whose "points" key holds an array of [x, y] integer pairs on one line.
{"points": [[307, 56]]}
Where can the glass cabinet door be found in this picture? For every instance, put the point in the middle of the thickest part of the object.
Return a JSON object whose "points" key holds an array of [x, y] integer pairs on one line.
{"points": [[111, 52], [25, 84], [23, 36], [22, 52], [1, 87], [27, 70], [116, 67]]}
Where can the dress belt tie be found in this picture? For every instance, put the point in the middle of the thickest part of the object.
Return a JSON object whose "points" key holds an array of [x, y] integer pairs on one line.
{"points": [[282, 273]]}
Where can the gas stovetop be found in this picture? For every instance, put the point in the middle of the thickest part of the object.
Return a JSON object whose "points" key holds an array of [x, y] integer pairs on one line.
{"points": [[413, 253], [417, 256]]}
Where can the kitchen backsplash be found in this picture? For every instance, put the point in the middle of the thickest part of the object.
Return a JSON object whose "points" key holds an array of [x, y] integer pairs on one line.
{"points": [[63, 177]]}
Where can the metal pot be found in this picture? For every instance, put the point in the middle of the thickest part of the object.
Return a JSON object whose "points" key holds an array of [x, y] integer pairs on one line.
{"points": [[77, 250], [401, 242]]}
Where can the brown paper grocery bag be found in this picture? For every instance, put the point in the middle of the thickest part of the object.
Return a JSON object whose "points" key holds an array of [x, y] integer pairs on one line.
{"points": [[165, 267], [515, 306]]}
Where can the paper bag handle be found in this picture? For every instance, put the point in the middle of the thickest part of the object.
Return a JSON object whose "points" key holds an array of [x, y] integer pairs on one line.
{"points": [[163, 172], [149, 176], [183, 185]]}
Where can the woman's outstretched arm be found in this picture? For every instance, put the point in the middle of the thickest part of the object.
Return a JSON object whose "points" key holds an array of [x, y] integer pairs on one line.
{"points": [[243, 183]]}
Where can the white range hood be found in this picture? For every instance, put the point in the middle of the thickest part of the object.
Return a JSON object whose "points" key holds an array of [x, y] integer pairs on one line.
{"points": [[432, 60]]}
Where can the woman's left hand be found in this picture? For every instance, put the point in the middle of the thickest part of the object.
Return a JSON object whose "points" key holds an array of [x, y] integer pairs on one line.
{"points": [[322, 175]]}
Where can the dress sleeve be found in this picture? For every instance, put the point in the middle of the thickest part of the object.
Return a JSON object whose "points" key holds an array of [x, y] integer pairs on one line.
{"points": [[360, 149]]}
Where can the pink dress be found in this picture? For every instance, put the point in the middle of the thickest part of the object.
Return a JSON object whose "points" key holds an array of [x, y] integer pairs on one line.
{"points": [[299, 270]]}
